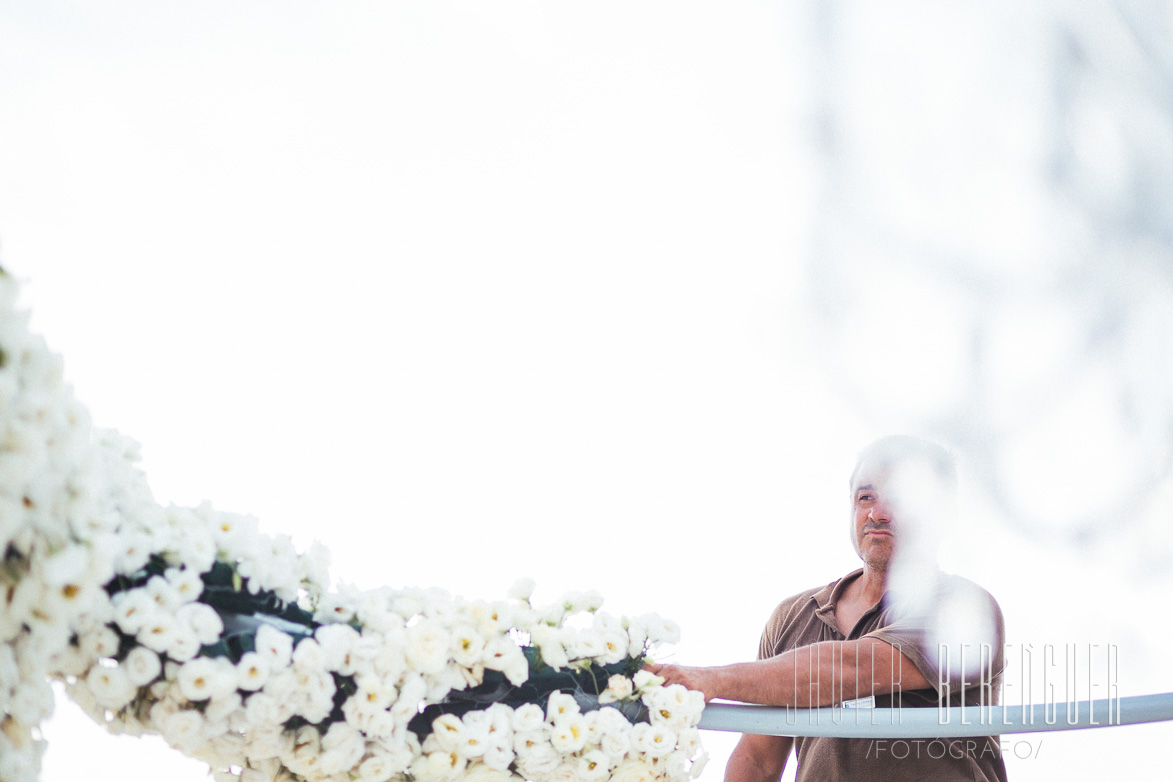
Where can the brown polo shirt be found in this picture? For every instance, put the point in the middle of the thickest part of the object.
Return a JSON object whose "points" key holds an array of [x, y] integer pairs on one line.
{"points": [[916, 630]]}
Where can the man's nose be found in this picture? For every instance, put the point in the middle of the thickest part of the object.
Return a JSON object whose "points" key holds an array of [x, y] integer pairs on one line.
{"points": [[880, 512]]}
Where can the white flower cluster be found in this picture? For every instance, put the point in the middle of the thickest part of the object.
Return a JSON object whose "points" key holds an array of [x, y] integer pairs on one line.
{"points": [[564, 744], [110, 592]]}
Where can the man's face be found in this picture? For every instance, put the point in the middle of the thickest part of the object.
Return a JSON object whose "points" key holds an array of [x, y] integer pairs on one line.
{"points": [[874, 529], [896, 506]]}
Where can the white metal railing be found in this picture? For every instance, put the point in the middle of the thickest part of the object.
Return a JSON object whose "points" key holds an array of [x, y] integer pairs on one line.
{"points": [[937, 723]]}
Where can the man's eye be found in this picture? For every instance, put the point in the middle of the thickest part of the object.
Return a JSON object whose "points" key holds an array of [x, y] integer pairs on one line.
{"points": [[865, 498]]}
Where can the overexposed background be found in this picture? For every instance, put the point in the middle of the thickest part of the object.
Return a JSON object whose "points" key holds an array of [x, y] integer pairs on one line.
{"points": [[610, 294]]}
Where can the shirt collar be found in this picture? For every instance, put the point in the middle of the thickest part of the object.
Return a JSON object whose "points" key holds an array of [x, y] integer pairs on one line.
{"points": [[828, 597]]}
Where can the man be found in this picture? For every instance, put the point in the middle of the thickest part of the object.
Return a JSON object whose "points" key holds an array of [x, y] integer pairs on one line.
{"points": [[896, 633]]}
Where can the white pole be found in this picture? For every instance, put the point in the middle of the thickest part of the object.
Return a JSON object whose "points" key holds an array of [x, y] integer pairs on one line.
{"points": [[937, 723]]}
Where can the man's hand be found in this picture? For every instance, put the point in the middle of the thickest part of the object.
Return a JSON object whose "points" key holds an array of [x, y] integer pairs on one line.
{"points": [[702, 680]]}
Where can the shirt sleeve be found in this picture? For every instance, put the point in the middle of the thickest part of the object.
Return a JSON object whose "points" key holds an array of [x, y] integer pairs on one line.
{"points": [[955, 639], [768, 646], [774, 634]]}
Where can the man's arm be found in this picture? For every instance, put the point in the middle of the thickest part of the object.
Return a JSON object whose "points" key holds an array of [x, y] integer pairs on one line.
{"points": [[758, 758], [817, 675]]}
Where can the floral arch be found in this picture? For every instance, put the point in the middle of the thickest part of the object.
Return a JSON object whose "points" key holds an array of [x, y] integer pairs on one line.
{"points": [[193, 624]]}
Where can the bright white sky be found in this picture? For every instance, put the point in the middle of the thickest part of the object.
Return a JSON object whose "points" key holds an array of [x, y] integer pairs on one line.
{"points": [[470, 292]]}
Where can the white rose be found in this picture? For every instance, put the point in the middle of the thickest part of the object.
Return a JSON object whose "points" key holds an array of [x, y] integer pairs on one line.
{"points": [[662, 631], [551, 615], [375, 690], [516, 669], [698, 765], [594, 727], [560, 705], [483, 772], [411, 692], [401, 751], [262, 710], [379, 725], [389, 657], [500, 756], [338, 642], [538, 761], [222, 706], [634, 770], [522, 589], [163, 593], [377, 768], [427, 647], [591, 601], [440, 684], [528, 718], [535, 754], [70, 661], [569, 733], [675, 706], [142, 666], [158, 632], [315, 566], [644, 680], [275, 646], [236, 534], [256, 774], [589, 644], [133, 552], [474, 740], [335, 607], [302, 755], [202, 620], [196, 550], [689, 740], [549, 642], [616, 743], [101, 642], [186, 582], [619, 688], [308, 656], [502, 654], [252, 672], [438, 604], [197, 679], [31, 702], [607, 623], [694, 706], [342, 748], [573, 602], [224, 681], [653, 740], [112, 688], [184, 645], [408, 603], [614, 646], [526, 742], [438, 767], [593, 765], [68, 566], [183, 729], [313, 697], [132, 610], [467, 646]]}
